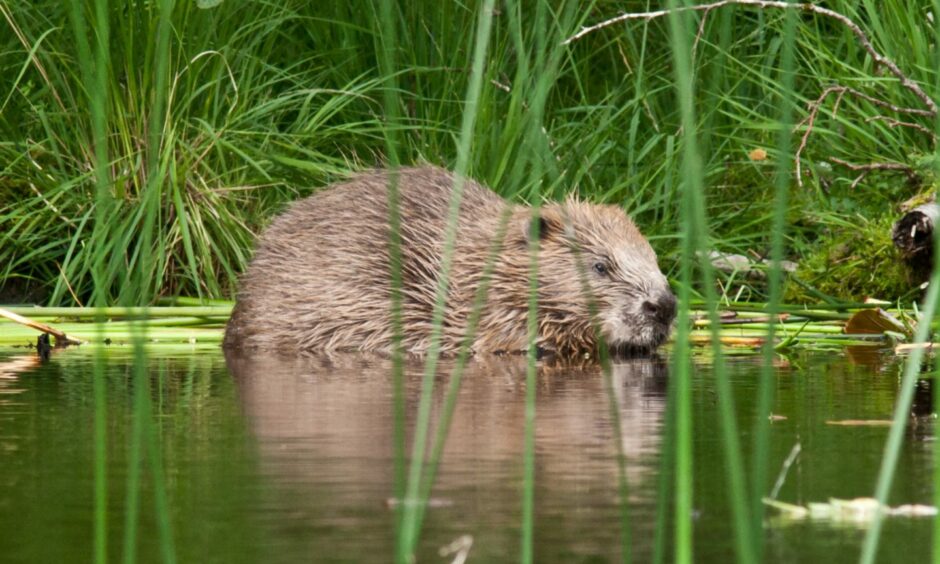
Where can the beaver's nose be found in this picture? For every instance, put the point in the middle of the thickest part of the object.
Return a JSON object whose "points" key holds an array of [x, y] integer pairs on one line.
{"points": [[662, 307]]}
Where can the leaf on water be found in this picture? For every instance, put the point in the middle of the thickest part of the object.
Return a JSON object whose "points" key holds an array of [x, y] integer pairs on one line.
{"points": [[789, 509], [913, 510], [874, 321], [861, 422], [206, 4], [859, 511], [705, 339], [908, 347]]}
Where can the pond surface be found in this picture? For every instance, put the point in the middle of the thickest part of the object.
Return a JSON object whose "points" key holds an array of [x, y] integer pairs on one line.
{"points": [[269, 460]]}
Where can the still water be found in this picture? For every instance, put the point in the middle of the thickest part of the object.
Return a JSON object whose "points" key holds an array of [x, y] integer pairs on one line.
{"points": [[273, 460]]}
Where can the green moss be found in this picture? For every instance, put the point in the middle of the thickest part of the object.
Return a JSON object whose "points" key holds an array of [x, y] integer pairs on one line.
{"points": [[853, 260]]}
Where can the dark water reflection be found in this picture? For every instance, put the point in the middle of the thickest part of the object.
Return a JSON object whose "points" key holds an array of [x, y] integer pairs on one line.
{"points": [[277, 460], [325, 429]]}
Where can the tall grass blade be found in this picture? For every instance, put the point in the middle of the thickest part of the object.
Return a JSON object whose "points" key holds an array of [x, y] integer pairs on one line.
{"points": [[765, 392], [134, 457], [936, 389], [667, 480], [527, 549], [527, 554], [456, 375], [912, 369], [409, 532], [695, 235], [902, 412], [152, 437], [94, 75], [386, 47]]}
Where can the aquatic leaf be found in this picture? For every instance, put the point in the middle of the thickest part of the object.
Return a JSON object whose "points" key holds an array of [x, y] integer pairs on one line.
{"points": [[791, 510], [206, 4], [861, 422], [912, 510], [459, 549], [859, 511], [705, 339], [908, 347], [874, 321]]}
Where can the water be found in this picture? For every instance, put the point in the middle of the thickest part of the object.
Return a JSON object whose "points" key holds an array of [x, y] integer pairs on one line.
{"points": [[273, 460]]}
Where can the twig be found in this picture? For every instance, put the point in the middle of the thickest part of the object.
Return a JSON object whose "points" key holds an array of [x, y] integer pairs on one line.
{"points": [[873, 166], [698, 35], [644, 99], [782, 476], [810, 120], [866, 168], [500, 85], [459, 548], [68, 285], [892, 123], [816, 104], [28, 48], [49, 204], [42, 327], [806, 7]]}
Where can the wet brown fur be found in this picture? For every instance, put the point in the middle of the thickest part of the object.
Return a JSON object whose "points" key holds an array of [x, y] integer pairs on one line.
{"points": [[320, 278]]}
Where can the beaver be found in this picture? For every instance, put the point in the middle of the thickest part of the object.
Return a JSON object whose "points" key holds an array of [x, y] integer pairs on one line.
{"points": [[320, 279]]}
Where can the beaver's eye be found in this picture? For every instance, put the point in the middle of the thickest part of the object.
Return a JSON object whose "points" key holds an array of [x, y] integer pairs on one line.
{"points": [[600, 268]]}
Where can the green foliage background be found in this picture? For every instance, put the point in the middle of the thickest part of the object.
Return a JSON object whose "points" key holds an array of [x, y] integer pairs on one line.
{"points": [[263, 101]]}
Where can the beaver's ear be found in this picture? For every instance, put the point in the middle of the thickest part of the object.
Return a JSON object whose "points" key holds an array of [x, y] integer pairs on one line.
{"points": [[550, 224]]}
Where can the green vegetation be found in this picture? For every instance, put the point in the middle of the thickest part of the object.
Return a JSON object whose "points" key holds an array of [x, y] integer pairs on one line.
{"points": [[256, 103], [144, 143], [840, 264]]}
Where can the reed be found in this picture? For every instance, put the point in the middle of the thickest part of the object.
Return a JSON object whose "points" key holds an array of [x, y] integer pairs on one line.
{"points": [[682, 363], [387, 45], [761, 441], [409, 530]]}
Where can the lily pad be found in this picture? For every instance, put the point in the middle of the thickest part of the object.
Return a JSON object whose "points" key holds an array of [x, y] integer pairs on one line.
{"points": [[859, 511], [874, 321]]}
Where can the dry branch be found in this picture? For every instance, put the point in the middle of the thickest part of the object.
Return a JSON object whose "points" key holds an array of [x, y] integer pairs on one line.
{"points": [[816, 104], [809, 121], [892, 123], [864, 169], [805, 7], [61, 338]]}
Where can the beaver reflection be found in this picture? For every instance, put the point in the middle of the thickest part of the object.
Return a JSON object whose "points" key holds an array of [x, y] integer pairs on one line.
{"points": [[324, 426]]}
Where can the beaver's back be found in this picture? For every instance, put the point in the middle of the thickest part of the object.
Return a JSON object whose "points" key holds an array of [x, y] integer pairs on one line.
{"points": [[320, 277]]}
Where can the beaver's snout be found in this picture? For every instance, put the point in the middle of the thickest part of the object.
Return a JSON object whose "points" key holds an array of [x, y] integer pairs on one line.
{"points": [[661, 307]]}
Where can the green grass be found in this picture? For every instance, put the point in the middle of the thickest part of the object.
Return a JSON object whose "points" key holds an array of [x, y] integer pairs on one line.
{"points": [[145, 144], [212, 127]]}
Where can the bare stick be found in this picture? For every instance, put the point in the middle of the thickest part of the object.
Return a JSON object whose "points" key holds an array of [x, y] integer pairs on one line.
{"points": [[59, 335], [810, 120], [805, 7], [782, 476], [866, 168], [815, 106], [892, 123], [698, 35], [873, 166]]}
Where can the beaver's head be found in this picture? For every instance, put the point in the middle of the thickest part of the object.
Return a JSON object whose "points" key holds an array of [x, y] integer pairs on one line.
{"points": [[594, 259]]}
